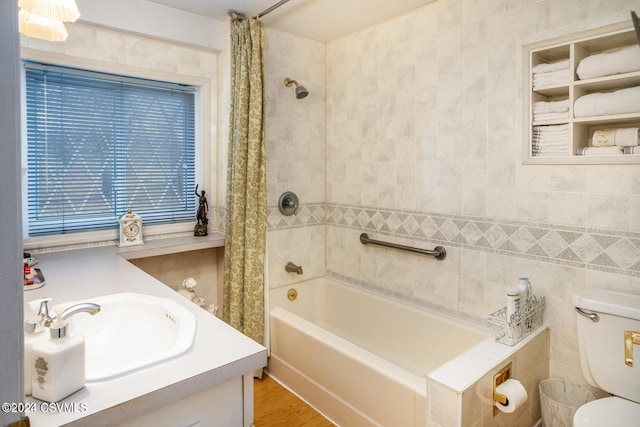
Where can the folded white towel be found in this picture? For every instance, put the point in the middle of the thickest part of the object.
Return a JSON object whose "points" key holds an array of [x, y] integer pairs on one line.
{"points": [[564, 150], [622, 101], [624, 137], [550, 75], [546, 67], [555, 151], [544, 117], [599, 151], [604, 138], [551, 78], [555, 147], [631, 150], [552, 128], [555, 142], [547, 139], [551, 142], [551, 154], [551, 106], [551, 81], [623, 60], [551, 131], [627, 137]]}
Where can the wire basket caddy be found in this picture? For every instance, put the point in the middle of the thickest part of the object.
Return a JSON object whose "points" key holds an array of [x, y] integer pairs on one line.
{"points": [[521, 324]]}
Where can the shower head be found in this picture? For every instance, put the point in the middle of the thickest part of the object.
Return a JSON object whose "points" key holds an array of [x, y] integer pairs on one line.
{"points": [[301, 91]]}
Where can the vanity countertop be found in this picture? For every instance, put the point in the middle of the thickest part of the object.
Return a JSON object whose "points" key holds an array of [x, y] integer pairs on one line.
{"points": [[219, 353]]}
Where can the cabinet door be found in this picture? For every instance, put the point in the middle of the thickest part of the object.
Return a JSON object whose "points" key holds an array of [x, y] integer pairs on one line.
{"points": [[220, 406]]}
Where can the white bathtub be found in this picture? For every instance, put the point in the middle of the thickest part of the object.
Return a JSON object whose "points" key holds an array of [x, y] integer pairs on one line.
{"points": [[357, 357]]}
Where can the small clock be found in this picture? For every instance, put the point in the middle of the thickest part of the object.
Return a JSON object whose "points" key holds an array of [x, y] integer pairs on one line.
{"points": [[130, 230]]}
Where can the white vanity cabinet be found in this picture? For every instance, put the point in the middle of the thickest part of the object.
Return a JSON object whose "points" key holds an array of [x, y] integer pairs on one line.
{"points": [[209, 385], [574, 48], [221, 406]]}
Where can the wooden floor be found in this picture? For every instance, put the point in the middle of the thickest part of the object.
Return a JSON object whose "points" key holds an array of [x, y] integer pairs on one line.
{"points": [[274, 405]]}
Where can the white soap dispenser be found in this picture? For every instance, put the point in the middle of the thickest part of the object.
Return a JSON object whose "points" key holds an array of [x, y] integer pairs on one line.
{"points": [[58, 363], [33, 331]]}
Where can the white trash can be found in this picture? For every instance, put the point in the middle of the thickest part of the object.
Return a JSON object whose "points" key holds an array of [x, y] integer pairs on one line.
{"points": [[559, 401]]}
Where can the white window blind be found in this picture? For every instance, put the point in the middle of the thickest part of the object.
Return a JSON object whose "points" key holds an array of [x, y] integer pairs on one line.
{"points": [[99, 144]]}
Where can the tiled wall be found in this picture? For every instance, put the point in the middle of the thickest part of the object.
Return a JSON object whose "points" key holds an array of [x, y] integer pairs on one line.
{"points": [[473, 407], [295, 138], [423, 148], [101, 45], [529, 366]]}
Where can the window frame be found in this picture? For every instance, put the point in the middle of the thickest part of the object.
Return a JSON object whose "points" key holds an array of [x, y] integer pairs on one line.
{"points": [[203, 148]]}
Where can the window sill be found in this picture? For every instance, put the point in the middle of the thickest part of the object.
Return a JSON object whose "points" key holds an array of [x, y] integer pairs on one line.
{"points": [[158, 240], [172, 245]]}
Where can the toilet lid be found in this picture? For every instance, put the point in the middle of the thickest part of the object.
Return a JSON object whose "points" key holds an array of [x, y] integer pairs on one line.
{"points": [[610, 411]]}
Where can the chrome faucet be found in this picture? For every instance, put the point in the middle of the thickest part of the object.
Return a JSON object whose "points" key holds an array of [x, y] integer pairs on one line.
{"points": [[48, 319], [83, 307], [58, 328], [292, 268]]}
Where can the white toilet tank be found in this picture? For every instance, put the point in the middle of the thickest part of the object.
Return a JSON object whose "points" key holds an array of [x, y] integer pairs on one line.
{"points": [[602, 342]]}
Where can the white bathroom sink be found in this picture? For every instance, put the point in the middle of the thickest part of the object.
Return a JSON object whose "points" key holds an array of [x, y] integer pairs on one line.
{"points": [[131, 332]]}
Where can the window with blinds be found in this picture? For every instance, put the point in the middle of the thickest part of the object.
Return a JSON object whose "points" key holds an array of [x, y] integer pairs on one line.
{"points": [[99, 144]]}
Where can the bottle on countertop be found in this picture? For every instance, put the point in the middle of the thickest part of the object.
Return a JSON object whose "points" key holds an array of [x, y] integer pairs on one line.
{"points": [[58, 363]]}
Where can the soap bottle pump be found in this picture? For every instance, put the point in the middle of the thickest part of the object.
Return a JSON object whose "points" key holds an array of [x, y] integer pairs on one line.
{"points": [[33, 331], [58, 363]]}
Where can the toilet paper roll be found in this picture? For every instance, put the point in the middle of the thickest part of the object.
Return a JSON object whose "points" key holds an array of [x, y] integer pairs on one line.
{"points": [[515, 393]]}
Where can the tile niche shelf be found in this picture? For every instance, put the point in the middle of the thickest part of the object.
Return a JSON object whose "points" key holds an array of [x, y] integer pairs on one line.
{"points": [[575, 47]]}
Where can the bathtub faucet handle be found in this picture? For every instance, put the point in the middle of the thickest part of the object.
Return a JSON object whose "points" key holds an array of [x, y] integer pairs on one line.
{"points": [[292, 268]]}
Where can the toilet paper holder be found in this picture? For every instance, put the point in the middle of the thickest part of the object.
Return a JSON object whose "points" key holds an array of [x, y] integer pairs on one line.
{"points": [[501, 376]]}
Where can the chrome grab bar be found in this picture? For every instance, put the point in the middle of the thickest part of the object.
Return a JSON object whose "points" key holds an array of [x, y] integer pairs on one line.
{"points": [[438, 252], [592, 316]]}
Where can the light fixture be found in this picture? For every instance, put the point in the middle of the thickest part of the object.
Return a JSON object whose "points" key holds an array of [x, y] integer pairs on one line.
{"points": [[44, 19], [59, 10], [41, 27]]}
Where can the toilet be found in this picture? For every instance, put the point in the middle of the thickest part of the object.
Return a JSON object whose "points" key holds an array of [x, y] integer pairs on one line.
{"points": [[605, 355]]}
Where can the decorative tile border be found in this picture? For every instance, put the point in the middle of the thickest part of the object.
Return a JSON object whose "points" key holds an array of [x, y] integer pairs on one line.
{"points": [[309, 215], [582, 247], [612, 251]]}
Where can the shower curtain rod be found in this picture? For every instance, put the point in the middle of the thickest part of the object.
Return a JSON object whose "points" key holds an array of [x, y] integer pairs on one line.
{"points": [[234, 14], [272, 8]]}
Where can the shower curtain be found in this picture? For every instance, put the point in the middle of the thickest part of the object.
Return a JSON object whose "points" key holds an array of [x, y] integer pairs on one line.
{"points": [[245, 233]]}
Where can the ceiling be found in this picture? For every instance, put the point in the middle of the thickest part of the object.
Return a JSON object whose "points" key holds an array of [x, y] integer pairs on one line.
{"points": [[323, 20]]}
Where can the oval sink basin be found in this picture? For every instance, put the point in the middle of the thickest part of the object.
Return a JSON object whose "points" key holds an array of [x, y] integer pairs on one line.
{"points": [[131, 332]]}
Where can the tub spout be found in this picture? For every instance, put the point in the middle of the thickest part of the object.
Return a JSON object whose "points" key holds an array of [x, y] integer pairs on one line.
{"points": [[292, 268]]}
